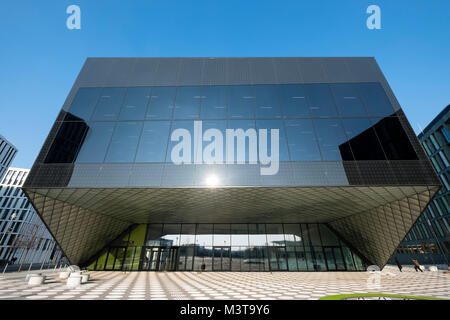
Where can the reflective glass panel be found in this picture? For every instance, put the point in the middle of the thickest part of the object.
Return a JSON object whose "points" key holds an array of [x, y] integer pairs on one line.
{"points": [[244, 125], [185, 150], [302, 140], [96, 142], [375, 99], [267, 102], [84, 102], [204, 236], [239, 235], [331, 136], [187, 103], [363, 140], [257, 234], [222, 235], [214, 102], [269, 125], [108, 106], [135, 105], [292, 234], [153, 142], [275, 234], [320, 100], [124, 142], [348, 100], [161, 103], [293, 100], [171, 234], [187, 234], [241, 102]]}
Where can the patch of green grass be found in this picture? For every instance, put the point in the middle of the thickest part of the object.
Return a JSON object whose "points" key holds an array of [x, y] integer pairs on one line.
{"points": [[355, 295]]}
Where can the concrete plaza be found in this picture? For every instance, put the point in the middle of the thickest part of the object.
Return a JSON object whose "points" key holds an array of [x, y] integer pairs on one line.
{"points": [[229, 285]]}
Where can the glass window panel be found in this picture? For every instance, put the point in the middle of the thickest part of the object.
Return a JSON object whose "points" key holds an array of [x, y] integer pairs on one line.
{"points": [[292, 234], [153, 142], [183, 153], [309, 259], [84, 102], [187, 103], [320, 264], [214, 102], [171, 234], [135, 106], [313, 233], [331, 138], [204, 236], [222, 235], [96, 142], [239, 235], [302, 140], [275, 234], [292, 258], [108, 106], [267, 102], [328, 237], [320, 100], [242, 102], [363, 140], [283, 154], [375, 99], [294, 102], [187, 234], [394, 140], [244, 125], [154, 232], [124, 142], [161, 103], [348, 100], [221, 125], [257, 234], [301, 259], [348, 258]]}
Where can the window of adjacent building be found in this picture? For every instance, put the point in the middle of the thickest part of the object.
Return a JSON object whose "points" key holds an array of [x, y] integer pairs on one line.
{"points": [[426, 148], [321, 103], [434, 142], [161, 103], [348, 101], [242, 102], [153, 143], [214, 102], [187, 103], [302, 140], [135, 105], [445, 134], [267, 102], [444, 159], [96, 142], [124, 142], [331, 137], [108, 106], [375, 99], [293, 101]]}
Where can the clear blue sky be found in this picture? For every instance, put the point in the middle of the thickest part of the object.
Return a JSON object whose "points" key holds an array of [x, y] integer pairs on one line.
{"points": [[40, 58]]}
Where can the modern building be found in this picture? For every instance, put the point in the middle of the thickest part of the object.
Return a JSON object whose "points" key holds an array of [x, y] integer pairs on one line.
{"points": [[259, 164], [24, 238], [429, 240], [7, 154]]}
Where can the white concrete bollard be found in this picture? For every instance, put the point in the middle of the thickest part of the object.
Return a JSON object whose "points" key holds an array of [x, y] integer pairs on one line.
{"points": [[64, 274], [36, 280], [422, 268], [433, 268], [84, 278], [28, 276], [74, 281], [75, 273]]}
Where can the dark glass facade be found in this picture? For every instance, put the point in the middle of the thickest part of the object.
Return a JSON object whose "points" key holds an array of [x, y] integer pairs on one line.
{"points": [[429, 239], [265, 143]]}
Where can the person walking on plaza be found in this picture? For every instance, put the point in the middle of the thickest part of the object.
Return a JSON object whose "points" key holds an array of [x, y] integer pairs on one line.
{"points": [[416, 265], [399, 265]]}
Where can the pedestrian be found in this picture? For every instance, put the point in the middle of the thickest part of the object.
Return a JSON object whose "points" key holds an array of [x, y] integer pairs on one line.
{"points": [[399, 265], [416, 265]]}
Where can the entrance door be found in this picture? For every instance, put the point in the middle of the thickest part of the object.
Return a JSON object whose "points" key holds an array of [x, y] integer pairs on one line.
{"points": [[160, 259], [221, 259], [334, 259]]}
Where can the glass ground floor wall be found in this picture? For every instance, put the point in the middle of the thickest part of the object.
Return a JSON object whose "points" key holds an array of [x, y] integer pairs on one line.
{"points": [[228, 247]]}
